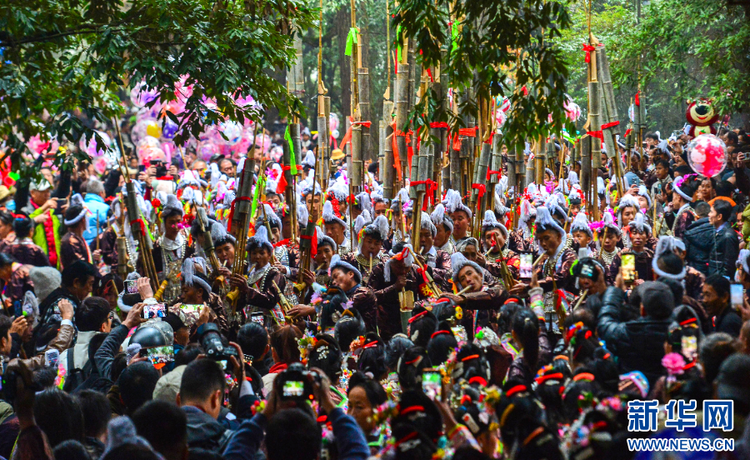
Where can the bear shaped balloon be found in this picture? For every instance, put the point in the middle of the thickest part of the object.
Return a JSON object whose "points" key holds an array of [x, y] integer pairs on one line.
{"points": [[701, 116]]}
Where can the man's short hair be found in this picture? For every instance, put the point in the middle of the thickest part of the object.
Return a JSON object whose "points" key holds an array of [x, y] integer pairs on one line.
{"points": [[297, 425], [657, 299], [5, 324], [137, 383], [78, 270], [200, 380], [719, 284], [724, 209], [702, 209], [92, 313], [96, 412], [164, 425], [94, 186], [663, 163]]}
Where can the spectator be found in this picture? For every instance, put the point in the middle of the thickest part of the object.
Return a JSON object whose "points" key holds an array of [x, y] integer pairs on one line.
{"points": [[716, 300], [164, 426], [726, 246], [136, 384], [96, 415]]}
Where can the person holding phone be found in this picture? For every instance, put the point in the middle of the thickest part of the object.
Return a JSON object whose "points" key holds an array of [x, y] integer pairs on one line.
{"points": [[640, 232]]}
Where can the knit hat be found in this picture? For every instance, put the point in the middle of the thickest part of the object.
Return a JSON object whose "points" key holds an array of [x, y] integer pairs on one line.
{"points": [[220, 236], [490, 221], [401, 199], [626, 201], [362, 220], [581, 224], [76, 201], [665, 245], [189, 276], [330, 216], [171, 207], [45, 280], [325, 239], [459, 261], [640, 224], [259, 240], [270, 215], [336, 262], [378, 228], [463, 243], [453, 203], [440, 217], [427, 224]]}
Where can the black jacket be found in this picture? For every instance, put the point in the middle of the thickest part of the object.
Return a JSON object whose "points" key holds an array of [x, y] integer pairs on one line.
{"points": [[699, 241], [725, 252], [728, 321], [638, 344], [205, 431]]}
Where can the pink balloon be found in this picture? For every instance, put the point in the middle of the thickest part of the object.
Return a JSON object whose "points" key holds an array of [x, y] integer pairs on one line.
{"points": [[207, 149], [707, 155]]}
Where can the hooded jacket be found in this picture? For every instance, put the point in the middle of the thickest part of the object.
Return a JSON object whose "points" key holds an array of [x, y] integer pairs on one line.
{"points": [[699, 241], [639, 344]]}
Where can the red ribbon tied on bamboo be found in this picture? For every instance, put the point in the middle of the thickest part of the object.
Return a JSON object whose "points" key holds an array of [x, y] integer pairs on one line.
{"points": [[588, 49], [481, 190], [430, 190], [348, 136], [231, 210]]}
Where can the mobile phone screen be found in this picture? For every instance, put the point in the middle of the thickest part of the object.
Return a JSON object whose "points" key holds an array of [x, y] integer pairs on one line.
{"points": [[628, 268], [154, 311], [293, 389], [527, 260], [737, 294], [131, 287], [431, 384], [257, 318]]}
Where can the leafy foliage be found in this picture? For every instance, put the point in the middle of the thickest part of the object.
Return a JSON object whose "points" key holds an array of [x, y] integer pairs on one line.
{"points": [[500, 48], [66, 62]]}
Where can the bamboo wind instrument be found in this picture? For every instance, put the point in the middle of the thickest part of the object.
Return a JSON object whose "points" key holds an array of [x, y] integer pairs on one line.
{"points": [[208, 242], [241, 221]]}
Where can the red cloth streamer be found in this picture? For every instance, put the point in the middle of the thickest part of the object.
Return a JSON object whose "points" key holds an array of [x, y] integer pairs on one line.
{"points": [[313, 243], [439, 124], [491, 173], [610, 125], [482, 189], [231, 210], [282, 184], [489, 141], [627, 132], [284, 242], [638, 99], [430, 190], [588, 49], [409, 149], [466, 132], [348, 136], [139, 223]]}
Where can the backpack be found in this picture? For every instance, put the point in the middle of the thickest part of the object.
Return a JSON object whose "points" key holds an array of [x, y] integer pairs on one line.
{"points": [[76, 376]]}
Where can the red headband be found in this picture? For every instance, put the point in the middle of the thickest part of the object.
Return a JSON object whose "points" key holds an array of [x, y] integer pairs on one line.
{"points": [[584, 375], [544, 378], [436, 333], [515, 389], [478, 379], [689, 321], [418, 315], [466, 358]]}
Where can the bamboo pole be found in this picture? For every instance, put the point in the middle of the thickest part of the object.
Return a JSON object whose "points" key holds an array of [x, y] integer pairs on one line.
{"points": [[402, 109], [388, 170]]}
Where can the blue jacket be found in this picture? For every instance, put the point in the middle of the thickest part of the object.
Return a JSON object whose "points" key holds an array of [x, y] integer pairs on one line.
{"points": [[95, 204], [350, 441]]}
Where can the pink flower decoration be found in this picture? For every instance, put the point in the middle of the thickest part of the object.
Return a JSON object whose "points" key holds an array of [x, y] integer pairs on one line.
{"points": [[673, 363]]}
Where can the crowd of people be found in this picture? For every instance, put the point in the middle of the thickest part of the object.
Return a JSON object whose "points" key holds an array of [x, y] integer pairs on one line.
{"points": [[526, 338]]}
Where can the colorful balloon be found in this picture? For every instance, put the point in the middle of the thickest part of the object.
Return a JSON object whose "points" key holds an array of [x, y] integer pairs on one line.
{"points": [[169, 130], [153, 129], [707, 155]]}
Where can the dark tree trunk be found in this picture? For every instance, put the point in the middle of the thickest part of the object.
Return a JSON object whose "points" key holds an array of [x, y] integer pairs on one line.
{"points": [[343, 24]]}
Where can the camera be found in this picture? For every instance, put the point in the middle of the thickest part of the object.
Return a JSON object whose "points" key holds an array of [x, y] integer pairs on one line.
{"points": [[296, 383], [214, 344]]}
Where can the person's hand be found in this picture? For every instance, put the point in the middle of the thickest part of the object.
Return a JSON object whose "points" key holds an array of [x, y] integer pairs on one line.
{"points": [[448, 418], [272, 405], [239, 282], [458, 300], [225, 272], [97, 255], [137, 359], [144, 288], [619, 280], [142, 176], [400, 282], [66, 309], [41, 218], [744, 310], [308, 277], [481, 261], [19, 326], [419, 257], [633, 190], [321, 392], [204, 316], [238, 364], [534, 278], [518, 289], [301, 311], [135, 316]]}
